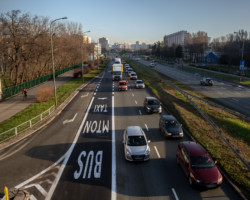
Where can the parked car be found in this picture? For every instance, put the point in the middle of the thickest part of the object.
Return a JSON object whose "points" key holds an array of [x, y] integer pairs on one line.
{"points": [[170, 127], [139, 84], [122, 85], [206, 81], [197, 164], [133, 76], [136, 146], [152, 105]]}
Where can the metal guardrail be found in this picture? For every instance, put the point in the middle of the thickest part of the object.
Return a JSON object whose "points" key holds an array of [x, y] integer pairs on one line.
{"points": [[13, 132], [207, 118]]}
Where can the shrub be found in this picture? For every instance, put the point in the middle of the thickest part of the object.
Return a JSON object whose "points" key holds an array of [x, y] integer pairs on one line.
{"points": [[44, 94]]}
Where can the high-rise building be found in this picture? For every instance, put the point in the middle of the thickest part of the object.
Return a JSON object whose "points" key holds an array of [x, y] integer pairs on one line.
{"points": [[104, 43], [177, 38]]}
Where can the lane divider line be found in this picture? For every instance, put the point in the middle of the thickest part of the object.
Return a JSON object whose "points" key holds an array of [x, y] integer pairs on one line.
{"points": [[157, 152], [140, 112], [146, 127], [175, 195], [135, 102], [113, 174], [67, 155]]}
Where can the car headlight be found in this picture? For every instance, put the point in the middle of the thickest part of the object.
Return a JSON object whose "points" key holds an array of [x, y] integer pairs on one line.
{"points": [[128, 153], [160, 108], [147, 152], [220, 180], [181, 133], [148, 108], [197, 180]]}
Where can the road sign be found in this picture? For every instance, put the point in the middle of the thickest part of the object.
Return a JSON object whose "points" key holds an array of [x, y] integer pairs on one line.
{"points": [[242, 65]]}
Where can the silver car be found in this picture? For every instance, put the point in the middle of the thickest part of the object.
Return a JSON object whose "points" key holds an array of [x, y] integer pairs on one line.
{"points": [[139, 84], [136, 146]]}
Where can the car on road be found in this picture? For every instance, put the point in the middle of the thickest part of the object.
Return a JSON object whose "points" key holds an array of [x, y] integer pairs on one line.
{"points": [[129, 71], [133, 76], [135, 143], [152, 64], [170, 127], [139, 84], [197, 164], [152, 105], [207, 82], [122, 85]]}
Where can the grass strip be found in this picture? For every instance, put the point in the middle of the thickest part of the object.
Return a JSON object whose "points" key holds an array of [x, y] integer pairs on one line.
{"points": [[199, 128], [35, 109]]}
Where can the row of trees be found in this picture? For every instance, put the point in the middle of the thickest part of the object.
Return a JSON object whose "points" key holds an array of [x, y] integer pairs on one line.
{"points": [[229, 48], [25, 48]]}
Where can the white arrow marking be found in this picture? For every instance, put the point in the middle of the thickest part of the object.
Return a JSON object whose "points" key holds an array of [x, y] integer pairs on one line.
{"points": [[85, 95], [70, 120], [103, 98]]}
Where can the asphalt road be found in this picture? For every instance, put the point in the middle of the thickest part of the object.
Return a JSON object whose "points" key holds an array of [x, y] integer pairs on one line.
{"points": [[80, 154], [230, 94]]}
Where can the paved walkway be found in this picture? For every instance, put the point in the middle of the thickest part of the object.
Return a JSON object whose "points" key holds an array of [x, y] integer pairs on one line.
{"points": [[17, 103]]}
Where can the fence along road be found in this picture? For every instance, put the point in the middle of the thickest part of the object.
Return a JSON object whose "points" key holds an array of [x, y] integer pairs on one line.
{"points": [[12, 106]]}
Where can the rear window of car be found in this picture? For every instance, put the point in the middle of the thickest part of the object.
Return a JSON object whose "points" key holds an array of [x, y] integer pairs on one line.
{"points": [[139, 82]]}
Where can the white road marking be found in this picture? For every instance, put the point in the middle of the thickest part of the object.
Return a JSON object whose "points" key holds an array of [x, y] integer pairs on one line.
{"points": [[95, 93], [234, 99], [68, 153], [157, 152], [175, 195], [135, 102], [32, 197], [146, 127], [38, 187], [85, 95], [113, 178], [69, 120], [140, 112], [103, 98], [133, 94]]}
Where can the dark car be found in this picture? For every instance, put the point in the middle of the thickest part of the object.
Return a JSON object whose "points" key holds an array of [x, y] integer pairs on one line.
{"points": [[152, 105], [197, 164], [206, 81], [122, 85], [170, 127]]}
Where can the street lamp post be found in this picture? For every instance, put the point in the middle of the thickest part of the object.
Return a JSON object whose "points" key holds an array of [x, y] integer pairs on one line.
{"points": [[52, 55], [82, 53]]}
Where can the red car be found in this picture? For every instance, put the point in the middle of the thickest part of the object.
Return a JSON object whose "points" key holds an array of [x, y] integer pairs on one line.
{"points": [[198, 165], [122, 85]]}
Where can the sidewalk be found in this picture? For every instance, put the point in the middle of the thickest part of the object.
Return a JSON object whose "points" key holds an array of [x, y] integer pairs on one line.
{"points": [[17, 103]]}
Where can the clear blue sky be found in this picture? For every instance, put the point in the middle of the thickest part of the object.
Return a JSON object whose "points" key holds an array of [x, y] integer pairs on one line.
{"points": [[142, 20]]}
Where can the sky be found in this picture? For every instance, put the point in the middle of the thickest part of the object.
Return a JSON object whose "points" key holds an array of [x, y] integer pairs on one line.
{"points": [[141, 20]]}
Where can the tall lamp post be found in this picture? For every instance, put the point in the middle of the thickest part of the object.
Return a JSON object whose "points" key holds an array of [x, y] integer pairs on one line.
{"points": [[82, 53], [52, 56]]}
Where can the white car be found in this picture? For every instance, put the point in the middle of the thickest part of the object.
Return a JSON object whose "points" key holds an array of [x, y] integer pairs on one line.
{"points": [[136, 146], [152, 64], [139, 84]]}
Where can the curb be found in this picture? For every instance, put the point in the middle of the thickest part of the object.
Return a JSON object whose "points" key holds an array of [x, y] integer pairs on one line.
{"points": [[47, 119]]}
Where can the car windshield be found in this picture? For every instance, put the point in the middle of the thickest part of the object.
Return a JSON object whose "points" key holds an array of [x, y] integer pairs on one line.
{"points": [[122, 83], [201, 162], [153, 102], [139, 82], [136, 141], [171, 124], [117, 73]]}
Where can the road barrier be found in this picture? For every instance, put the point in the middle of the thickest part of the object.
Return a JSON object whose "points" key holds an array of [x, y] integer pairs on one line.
{"points": [[13, 132], [10, 91], [207, 118]]}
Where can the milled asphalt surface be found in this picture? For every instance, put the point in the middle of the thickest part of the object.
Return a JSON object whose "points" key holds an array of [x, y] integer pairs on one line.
{"points": [[17, 103]]}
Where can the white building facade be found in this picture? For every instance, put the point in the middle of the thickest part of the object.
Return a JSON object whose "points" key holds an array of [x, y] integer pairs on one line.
{"points": [[177, 38]]}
